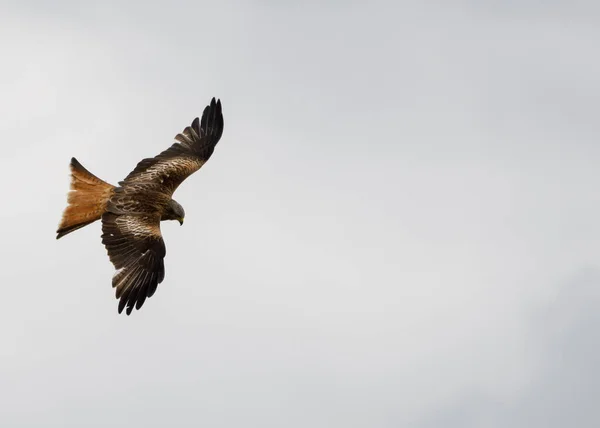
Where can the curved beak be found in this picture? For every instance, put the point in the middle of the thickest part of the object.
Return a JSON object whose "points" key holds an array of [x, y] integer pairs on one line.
{"points": [[180, 220]]}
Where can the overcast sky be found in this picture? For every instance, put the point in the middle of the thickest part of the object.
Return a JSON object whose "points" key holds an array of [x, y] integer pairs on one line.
{"points": [[399, 226]]}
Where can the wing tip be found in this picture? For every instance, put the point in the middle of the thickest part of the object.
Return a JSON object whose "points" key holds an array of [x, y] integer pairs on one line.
{"points": [[212, 122]]}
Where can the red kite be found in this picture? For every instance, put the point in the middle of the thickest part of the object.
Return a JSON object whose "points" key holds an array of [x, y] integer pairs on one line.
{"points": [[132, 211]]}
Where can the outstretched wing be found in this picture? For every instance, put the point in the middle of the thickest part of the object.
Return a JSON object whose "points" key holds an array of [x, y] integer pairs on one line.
{"points": [[137, 250], [194, 147]]}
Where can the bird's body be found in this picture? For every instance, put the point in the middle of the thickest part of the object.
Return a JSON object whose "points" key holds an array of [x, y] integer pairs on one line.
{"points": [[132, 211]]}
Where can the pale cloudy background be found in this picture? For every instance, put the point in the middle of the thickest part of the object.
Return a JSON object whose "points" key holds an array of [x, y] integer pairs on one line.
{"points": [[399, 226]]}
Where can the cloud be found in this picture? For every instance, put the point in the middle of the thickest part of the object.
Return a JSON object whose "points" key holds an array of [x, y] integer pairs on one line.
{"points": [[396, 187], [562, 392]]}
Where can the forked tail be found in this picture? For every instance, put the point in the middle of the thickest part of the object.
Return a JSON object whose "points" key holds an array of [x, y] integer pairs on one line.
{"points": [[86, 200]]}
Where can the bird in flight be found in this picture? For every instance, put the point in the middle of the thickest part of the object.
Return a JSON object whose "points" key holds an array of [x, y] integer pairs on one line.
{"points": [[132, 211]]}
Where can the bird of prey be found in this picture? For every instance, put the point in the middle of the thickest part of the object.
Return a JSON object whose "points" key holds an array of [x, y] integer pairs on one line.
{"points": [[132, 211]]}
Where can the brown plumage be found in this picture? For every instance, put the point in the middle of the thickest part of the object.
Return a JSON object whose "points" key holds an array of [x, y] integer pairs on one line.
{"points": [[131, 212]]}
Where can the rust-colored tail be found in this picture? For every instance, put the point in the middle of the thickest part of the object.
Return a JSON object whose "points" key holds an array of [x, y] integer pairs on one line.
{"points": [[87, 199]]}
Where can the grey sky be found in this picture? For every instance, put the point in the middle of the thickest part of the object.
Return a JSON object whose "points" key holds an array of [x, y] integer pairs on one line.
{"points": [[398, 227]]}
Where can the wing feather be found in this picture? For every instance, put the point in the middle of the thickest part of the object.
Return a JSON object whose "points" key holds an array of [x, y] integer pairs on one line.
{"points": [[193, 148], [131, 222], [137, 251]]}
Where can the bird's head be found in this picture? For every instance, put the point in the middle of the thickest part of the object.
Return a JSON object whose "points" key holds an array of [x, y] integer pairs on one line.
{"points": [[175, 212]]}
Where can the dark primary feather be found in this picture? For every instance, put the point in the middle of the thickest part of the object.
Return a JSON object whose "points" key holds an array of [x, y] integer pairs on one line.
{"points": [[137, 250], [193, 148]]}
